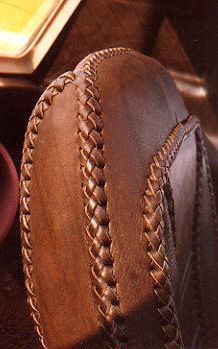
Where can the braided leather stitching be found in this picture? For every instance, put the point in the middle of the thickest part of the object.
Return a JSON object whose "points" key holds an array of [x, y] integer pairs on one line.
{"points": [[92, 165], [43, 104], [113, 319], [154, 228], [93, 182]]}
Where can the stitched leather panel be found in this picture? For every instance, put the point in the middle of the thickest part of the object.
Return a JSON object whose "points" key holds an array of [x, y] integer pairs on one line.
{"points": [[96, 266], [62, 314], [31, 134], [132, 136], [96, 205], [183, 180]]}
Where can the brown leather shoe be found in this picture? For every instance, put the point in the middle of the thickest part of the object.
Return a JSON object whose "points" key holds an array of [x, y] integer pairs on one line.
{"points": [[117, 211]]}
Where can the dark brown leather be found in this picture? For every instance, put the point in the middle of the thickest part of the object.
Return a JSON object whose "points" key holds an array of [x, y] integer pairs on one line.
{"points": [[189, 57], [117, 211]]}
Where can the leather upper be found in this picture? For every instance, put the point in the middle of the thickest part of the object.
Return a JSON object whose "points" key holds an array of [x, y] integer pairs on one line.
{"points": [[117, 210]]}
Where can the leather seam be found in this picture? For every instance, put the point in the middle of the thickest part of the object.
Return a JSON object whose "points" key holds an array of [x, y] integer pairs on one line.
{"points": [[93, 184], [153, 211], [38, 114]]}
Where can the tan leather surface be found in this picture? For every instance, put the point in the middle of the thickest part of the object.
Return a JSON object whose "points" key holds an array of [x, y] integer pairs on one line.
{"points": [[61, 259], [133, 106], [132, 112]]}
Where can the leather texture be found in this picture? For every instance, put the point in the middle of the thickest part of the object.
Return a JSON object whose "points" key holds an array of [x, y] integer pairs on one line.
{"points": [[118, 220], [97, 25]]}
